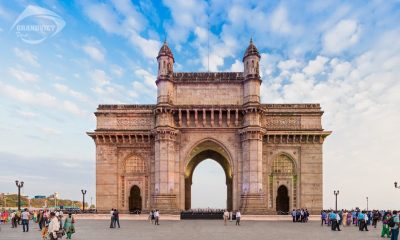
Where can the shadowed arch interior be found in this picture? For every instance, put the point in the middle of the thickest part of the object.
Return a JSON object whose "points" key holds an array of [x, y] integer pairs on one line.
{"points": [[208, 150], [282, 200], [135, 199]]}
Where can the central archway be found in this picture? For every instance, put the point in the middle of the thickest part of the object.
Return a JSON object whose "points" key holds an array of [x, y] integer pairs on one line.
{"points": [[208, 150]]}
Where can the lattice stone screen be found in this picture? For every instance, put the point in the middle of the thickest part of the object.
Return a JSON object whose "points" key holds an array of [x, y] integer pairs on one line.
{"points": [[283, 165], [135, 164]]}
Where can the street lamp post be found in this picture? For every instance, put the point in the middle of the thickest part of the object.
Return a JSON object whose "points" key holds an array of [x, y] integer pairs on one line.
{"points": [[83, 200], [19, 186], [336, 193], [367, 203]]}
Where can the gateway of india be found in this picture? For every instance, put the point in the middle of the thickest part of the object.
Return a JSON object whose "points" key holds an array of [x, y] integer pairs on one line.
{"points": [[271, 153]]}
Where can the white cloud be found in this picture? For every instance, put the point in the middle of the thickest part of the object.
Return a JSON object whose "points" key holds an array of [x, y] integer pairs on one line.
{"points": [[100, 77], [148, 78], [27, 56], [50, 131], [41, 99], [117, 70], [279, 21], [122, 18], [26, 114], [22, 75], [94, 52], [237, 66], [65, 89], [315, 66], [343, 35]]}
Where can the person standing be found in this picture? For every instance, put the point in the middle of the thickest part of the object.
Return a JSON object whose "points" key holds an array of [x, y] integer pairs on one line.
{"points": [[156, 217], [294, 215], [395, 228], [226, 215], [336, 221], [54, 226], [116, 218], [69, 226], [112, 223], [13, 221], [25, 220], [385, 227], [323, 218], [238, 215]]}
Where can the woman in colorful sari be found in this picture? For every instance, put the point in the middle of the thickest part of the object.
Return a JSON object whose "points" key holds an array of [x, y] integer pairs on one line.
{"points": [[69, 226], [385, 226], [348, 218]]}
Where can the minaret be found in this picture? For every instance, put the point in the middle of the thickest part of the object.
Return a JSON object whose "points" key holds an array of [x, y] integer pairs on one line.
{"points": [[166, 181], [253, 192], [251, 62], [164, 83]]}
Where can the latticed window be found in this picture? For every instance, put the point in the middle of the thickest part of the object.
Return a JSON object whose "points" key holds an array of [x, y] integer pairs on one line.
{"points": [[135, 164], [283, 165]]}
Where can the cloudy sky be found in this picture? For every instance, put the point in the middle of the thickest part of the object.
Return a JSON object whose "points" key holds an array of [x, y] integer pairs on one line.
{"points": [[342, 54]]}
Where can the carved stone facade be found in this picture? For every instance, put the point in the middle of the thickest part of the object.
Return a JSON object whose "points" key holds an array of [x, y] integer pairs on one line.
{"points": [[271, 153]]}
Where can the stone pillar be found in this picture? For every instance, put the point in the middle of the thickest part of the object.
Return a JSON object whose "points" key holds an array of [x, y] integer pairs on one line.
{"points": [[165, 195], [253, 197]]}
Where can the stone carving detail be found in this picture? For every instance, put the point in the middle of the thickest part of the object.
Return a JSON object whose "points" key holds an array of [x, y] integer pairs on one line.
{"points": [[130, 122], [134, 164], [282, 122]]}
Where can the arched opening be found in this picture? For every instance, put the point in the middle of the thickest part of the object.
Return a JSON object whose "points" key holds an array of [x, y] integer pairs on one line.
{"points": [[208, 150], [135, 200], [282, 200], [208, 180]]}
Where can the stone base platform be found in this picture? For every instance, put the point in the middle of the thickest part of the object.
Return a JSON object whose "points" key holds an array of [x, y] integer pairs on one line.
{"points": [[144, 217]]}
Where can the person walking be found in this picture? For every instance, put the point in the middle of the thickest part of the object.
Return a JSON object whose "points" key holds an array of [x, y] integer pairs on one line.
{"points": [[238, 215], [336, 222], [112, 223], [25, 220], [69, 226], [394, 225], [54, 226], [116, 218]]}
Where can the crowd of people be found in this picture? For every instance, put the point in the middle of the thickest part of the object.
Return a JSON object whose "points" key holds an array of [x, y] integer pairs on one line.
{"points": [[300, 215], [51, 223], [363, 219]]}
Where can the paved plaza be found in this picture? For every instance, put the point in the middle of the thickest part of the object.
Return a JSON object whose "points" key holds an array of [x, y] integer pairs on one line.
{"points": [[198, 229]]}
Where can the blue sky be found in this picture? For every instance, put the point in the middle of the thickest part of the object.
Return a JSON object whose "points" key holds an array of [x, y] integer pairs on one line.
{"points": [[342, 54]]}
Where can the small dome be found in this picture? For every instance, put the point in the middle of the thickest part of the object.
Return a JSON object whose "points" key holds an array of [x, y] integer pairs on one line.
{"points": [[165, 51], [251, 50]]}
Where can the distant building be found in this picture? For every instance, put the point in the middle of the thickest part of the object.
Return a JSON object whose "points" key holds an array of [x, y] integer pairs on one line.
{"points": [[271, 153]]}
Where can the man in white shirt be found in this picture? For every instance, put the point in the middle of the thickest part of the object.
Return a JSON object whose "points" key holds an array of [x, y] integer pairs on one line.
{"points": [[238, 215], [157, 217], [25, 220], [54, 226]]}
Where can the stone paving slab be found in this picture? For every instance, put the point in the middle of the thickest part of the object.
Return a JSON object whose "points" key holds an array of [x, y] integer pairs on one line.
{"points": [[198, 230]]}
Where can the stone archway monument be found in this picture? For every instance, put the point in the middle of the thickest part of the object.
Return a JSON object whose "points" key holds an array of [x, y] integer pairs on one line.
{"points": [[209, 115]]}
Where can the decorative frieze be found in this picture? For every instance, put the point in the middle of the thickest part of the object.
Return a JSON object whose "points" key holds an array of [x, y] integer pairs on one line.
{"points": [[282, 122], [134, 123]]}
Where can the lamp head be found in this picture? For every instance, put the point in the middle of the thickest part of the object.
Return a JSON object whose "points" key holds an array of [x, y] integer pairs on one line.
{"points": [[16, 182], [395, 184], [22, 183]]}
